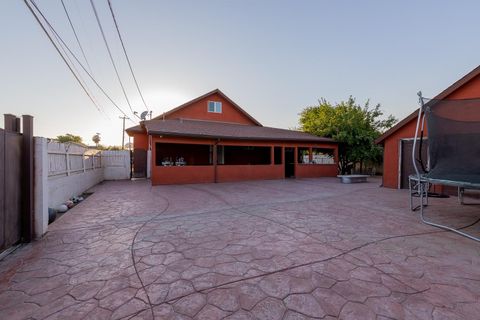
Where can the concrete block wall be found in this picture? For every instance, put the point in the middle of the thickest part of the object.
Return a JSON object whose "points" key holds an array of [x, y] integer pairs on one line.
{"points": [[55, 182]]}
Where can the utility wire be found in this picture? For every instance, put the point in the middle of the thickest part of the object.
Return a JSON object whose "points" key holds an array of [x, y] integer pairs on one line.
{"points": [[74, 67], [60, 53], [111, 56], [76, 36], [126, 55], [70, 51]]}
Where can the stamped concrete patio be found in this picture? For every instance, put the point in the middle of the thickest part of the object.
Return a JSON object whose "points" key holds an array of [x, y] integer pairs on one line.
{"points": [[293, 249]]}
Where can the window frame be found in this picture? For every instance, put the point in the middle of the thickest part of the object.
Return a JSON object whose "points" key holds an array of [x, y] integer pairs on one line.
{"points": [[217, 106]]}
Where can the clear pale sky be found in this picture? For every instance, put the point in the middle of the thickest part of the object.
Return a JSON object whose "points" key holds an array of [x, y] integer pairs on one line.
{"points": [[272, 57]]}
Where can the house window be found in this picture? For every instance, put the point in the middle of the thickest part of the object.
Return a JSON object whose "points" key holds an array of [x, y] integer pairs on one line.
{"points": [[215, 106]]}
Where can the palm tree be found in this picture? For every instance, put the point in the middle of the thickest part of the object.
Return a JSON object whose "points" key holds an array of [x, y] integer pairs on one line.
{"points": [[96, 139]]}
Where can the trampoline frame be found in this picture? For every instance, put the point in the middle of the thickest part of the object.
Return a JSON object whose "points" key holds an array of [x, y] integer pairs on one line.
{"points": [[422, 182]]}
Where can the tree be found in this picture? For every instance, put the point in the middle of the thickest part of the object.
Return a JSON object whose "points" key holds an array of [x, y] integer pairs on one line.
{"points": [[96, 139], [354, 127], [68, 137]]}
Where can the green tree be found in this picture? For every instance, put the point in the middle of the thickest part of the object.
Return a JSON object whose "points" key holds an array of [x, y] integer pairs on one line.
{"points": [[354, 127], [68, 137]]}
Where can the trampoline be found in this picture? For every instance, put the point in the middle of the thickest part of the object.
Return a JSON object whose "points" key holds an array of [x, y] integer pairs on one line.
{"points": [[453, 151]]}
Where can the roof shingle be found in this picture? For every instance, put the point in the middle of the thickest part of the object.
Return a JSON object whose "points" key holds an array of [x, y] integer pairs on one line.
{"points": [[217, 130]]}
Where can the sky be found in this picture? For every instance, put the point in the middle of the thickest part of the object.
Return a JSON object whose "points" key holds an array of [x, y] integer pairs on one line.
{"points": [[273, 58]]}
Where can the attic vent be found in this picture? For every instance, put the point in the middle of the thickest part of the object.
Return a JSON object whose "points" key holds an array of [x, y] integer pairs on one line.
{"points": [[215, 106]]}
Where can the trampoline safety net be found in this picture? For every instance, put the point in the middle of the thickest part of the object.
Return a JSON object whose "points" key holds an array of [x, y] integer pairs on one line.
{"points": [[453, 128]]}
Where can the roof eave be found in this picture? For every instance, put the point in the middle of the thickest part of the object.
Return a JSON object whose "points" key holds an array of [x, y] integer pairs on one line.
{"points": [[204, 136]]}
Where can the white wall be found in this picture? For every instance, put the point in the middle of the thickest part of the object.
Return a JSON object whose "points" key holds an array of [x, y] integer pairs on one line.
{"points": [[62, 188], [65, 170]]}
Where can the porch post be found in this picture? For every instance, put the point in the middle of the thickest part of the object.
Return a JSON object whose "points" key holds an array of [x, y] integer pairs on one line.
{"points": [[310, 155], [214, 160], [272, 155]]}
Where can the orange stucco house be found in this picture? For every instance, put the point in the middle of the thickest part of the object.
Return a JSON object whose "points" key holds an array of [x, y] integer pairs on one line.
{"points": [[398, 141], [212, 139]]}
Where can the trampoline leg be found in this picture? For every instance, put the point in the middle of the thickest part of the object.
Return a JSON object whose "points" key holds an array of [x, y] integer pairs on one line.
{"points": [[461, 191], [410, 192], [441, 226]]}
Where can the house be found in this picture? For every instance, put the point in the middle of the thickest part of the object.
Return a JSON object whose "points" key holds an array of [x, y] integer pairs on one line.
{"points": [[212, 139], [398, 141]]}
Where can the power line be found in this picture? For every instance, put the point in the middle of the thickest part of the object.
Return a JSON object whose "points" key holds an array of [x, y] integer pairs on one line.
{"points": [[73, 54], [60, 53], [110, 55], [126, 55], [76, 36], [100, 108]]}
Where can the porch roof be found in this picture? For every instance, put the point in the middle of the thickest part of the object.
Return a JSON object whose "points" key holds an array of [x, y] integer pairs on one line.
{"points": [[222, 130]]}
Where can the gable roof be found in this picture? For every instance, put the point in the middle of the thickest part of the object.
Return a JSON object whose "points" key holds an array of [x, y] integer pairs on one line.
{"points": [[217, 91], [442, 95], [223, 130]]}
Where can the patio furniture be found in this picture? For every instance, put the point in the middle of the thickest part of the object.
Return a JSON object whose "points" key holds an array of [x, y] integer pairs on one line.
{"points": [[353, 178], [453, 151]]}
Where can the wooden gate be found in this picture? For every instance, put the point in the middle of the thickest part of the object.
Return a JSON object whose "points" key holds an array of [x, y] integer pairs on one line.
{"points": [[16, 188], [139, 163]]}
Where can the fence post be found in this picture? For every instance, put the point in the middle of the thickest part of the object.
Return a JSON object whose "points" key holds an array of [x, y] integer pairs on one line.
{"points": [[40, 186], [27, 219], [67, 159], [11, 123], [83, 162]]}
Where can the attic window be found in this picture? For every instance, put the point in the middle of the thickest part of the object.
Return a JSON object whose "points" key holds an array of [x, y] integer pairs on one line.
{"points": [[214, 106]]}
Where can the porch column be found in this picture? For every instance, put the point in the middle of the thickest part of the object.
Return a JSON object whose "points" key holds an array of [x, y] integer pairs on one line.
{"points": [[310, 155], [283, 155], [272, 155], [295, 158], [214, 160]]}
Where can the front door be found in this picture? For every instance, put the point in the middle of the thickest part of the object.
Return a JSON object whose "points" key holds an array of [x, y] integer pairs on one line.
{"points": [[289, 162]]}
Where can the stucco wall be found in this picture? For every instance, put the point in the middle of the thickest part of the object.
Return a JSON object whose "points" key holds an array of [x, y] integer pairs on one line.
{"points": [[226, 173], [316, 170]]}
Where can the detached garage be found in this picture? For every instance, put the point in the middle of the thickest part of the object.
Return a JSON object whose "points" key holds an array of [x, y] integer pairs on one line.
{"points": [[398, 141]]}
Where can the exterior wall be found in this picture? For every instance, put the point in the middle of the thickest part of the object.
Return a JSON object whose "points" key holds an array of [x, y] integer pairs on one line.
{"points": [[315, 170], [140, 141], [391, 143], [63, 188], [183, 175], [227, 173], [198, 110], [391, 153]]}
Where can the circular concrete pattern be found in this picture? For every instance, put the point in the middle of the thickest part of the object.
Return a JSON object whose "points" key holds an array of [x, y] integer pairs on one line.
{"points": [[290, 249]]}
